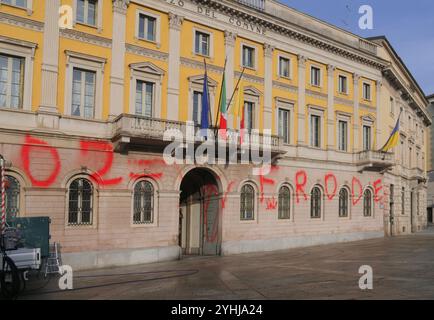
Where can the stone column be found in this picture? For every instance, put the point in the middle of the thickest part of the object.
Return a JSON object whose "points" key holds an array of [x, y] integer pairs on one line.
{"points": [[301, 109], [268, 87], [50, 58], [230, 67], [331, 119], [175, 24], [117, 76], [356, 127], [378, 126]]}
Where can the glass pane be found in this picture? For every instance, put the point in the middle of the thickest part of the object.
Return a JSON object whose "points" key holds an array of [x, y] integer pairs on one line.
{"points": [[149, 99], [142, 26], [91, 13], [80, 10], [151, 29], [21, 3]]}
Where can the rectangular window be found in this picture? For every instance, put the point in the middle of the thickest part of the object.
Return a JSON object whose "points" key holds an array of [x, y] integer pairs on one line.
{"points": [[403, 201], [343, 135], [248, 57], [83, 93], [284, 124], [366, 138], [367, 91], [87, 11], [147, 27], [197, 107], [284, 67], [315, 131], [144, 98], [315, 76], [343, 84], [249, 115], [202, 43], [11, 81], [17, 3]]}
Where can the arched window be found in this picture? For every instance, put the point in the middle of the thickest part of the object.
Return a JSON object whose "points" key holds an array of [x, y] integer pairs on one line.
{"points": [[80, 202], [315, 203], [12, 197], [367, 203], [284, 203], [343, 203], [143, 203], [247, 206]]}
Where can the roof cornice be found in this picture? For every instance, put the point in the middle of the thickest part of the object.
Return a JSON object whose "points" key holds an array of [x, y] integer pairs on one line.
{"points": [[296, 32]]}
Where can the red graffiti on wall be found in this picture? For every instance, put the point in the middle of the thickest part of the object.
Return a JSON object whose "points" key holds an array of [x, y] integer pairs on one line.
{"points": [[359, 184], [225, 196], [271, 204], [34, 144], [377, 188], [107, 149], [300, 185], [332, 177]]}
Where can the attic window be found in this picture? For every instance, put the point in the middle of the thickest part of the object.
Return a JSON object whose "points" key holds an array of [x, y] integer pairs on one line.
{"points": [[255, 4]]}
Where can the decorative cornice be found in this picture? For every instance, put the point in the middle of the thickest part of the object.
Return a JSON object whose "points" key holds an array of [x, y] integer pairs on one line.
{"points": [[120, 6], [86, 37], [21, 22], [249, 77], [285, 29], [343, 101], [317, 95], [199, 65], [284, 86], [175, 21], [130, 48]]}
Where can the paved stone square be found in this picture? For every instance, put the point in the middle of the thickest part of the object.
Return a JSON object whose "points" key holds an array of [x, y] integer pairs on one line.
{"points": [[403, 269]]}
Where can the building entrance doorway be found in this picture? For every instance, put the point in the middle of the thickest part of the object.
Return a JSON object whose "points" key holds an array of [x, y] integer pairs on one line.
{"points": [[199, 214]]}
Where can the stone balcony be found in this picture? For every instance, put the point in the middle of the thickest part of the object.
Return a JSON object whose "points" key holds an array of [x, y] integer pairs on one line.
{"points": [[374, 160], [131, 130], [417, 173]]}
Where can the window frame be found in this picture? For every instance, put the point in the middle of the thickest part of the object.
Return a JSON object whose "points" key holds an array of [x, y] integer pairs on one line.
{"points": [[346, 91], [321, 203], [312, 67], [287, 105], [83, 73], [94, 204], [154, 205], [348, 207], [254, 56], [210, 54], [26, 50], [157, 18], [98, 18], [364, 96], [289, 216], [196, 84], [146, 72], [86, 62], [20, 196], [255, 205], [364, 140], [279, 70], [317, 112], [371, 203]]}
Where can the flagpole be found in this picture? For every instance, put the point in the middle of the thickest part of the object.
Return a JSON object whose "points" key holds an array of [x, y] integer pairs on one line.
{"points": [[220, 97], [236, 88]]}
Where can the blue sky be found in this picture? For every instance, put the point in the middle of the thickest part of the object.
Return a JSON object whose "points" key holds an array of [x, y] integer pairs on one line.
{"points": [[408, 24]]}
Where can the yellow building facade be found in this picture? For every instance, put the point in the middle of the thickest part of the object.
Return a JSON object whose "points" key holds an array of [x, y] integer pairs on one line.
{"points": [[90, 87]]}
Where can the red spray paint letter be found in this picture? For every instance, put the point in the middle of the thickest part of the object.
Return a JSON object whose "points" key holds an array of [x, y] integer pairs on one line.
{"points": [[354, 182], [33, 143], [107, 148], [377, 188], [299, 185], [332, 177]]}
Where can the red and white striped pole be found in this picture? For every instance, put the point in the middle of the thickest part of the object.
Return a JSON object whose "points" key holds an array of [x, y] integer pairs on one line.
{"points": [[3, 194]]}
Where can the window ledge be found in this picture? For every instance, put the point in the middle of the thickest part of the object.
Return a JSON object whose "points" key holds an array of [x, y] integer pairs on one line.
{"points": [[28, 10], [157, 44]]}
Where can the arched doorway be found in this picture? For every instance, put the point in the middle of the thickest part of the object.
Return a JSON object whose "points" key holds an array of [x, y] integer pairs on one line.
{"points": [[199, 216]]}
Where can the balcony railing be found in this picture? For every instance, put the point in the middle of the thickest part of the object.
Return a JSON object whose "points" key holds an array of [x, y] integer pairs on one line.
{"points": [[255, 4], [374, 160], [143, 130]]}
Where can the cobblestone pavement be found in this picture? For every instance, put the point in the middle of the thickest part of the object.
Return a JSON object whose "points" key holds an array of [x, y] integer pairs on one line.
{"points": [[403, 269]]}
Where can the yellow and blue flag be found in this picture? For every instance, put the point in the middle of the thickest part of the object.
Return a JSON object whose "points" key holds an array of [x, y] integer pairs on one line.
{"points": [[394, 137]]}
